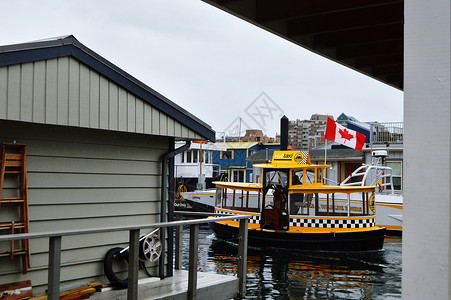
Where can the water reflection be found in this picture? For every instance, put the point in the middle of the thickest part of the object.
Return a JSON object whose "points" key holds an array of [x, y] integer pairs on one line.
{"points": [[283, 274]]}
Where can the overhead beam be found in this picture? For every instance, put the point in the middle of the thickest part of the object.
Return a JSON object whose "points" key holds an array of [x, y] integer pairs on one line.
{"points": [[358, 36], [346, 20]]}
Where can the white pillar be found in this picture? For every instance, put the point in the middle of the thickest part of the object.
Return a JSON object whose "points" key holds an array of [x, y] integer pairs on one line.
{"points": [[427, 155]]}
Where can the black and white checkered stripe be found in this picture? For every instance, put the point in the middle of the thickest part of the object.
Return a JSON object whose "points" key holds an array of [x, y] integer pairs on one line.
{"points": [[333, 223], [253, 219], [318, 223]]}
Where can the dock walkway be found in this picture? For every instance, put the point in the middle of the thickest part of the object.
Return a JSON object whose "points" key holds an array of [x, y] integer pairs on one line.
{"points": [[209, 286]]}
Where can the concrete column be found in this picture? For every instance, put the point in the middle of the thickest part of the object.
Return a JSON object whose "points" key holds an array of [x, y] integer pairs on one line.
{"points": [[427, 152]]}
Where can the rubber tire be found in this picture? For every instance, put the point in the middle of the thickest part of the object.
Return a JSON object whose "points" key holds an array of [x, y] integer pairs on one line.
{"points": [[108, 267]]}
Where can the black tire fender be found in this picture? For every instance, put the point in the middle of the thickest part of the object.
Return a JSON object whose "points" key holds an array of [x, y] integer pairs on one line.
{"points": [[110, 256]]}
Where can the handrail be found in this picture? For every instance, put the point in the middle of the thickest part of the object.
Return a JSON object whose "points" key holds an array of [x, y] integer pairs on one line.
{"points": [[365, 175], [132, 293]]}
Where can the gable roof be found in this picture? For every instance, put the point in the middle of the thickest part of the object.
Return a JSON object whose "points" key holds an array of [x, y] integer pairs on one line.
{"points": [[69, 46]]}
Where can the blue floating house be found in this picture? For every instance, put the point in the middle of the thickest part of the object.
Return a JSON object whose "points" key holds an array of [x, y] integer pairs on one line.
{"points": [[233, 162]]}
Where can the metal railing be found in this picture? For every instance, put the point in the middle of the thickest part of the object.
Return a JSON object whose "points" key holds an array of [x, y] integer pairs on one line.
{"points": [[391, 132], [134, 230], [363, 172]]}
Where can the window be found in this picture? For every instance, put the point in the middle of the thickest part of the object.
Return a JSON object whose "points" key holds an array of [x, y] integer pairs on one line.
{"points": [[195, 156], [397, 173], [310, 176], [188, 156], [297, 177], [278, 177], [227, 154], [238, 175], [207, 159]]}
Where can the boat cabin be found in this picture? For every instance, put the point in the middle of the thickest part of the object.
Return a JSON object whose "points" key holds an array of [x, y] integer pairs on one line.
{"points": [[290, 189]]}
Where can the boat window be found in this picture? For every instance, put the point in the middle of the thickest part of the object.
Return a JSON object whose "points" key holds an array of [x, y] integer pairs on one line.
{"points": [[397, 174], [188, 156], [319, 176], [274, 180], [297, 177], [300, 203], [310, 176], [342, 204], [277, 177]]}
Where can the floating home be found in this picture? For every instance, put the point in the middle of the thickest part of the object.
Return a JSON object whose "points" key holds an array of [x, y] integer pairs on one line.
{"points": [[95, 140]]}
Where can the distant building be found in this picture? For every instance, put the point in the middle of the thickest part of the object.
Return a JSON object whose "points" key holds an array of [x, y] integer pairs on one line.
{"points": [[252, 135], [233, 162], [307, 134]]}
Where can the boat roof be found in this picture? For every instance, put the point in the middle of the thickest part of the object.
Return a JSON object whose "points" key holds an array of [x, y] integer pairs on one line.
{"points": [[290, 159], [304, 188], [245, 186], [289, 166]]}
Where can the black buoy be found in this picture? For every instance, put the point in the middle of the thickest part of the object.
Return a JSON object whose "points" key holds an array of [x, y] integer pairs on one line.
{"points": [[283, 133]]}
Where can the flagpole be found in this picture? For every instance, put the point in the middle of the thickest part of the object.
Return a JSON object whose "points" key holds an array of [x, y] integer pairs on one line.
{"points": [[325, 151], [325, 159]]}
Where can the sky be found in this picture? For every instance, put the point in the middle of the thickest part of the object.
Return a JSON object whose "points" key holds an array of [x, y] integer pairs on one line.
{"points": [[225, 71]]}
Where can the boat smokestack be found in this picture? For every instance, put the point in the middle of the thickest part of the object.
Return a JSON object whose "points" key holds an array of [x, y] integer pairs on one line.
{"points": [[284, 133]]}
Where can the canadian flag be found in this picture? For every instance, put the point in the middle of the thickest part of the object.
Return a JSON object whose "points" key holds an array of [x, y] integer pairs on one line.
{"points": [[340, 134]]}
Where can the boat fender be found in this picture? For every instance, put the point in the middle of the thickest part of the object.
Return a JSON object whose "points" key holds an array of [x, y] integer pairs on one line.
{"points": [[110, 256]]}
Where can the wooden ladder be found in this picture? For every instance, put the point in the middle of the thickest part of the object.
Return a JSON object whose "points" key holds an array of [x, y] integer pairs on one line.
{"points": [[13, 166]]}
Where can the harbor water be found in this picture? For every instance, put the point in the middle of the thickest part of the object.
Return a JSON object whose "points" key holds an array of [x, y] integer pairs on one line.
{"points": [[287, 274]]}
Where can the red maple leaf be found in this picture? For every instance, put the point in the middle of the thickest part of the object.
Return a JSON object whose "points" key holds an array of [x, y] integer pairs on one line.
{"points": [[345, 134]]}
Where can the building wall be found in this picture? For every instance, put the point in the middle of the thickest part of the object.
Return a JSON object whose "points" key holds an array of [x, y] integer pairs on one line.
{"points": [[83, 178], [62, 91], [427, 147]]}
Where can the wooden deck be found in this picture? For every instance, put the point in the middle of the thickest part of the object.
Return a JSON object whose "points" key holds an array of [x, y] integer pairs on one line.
{"points": [[209, 286]]}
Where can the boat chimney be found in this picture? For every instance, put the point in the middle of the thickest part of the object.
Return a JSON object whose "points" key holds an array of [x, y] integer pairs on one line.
{"points": [[283, 133]]}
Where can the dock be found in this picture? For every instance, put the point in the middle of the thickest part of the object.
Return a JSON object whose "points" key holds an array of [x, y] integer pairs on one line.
{"points": [[184, 284], [209, 286]]}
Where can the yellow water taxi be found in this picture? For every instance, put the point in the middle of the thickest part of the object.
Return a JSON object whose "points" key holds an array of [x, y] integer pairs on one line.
{"points": [[291, 207]]}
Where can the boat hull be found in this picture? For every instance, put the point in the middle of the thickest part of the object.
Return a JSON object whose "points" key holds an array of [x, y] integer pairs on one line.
{"points": [[200, 207], [331, 241], [389, 213]]}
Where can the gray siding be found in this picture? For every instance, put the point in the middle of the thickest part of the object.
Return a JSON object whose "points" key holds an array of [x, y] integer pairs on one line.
{"points": [[82, 178], [62, 91]]}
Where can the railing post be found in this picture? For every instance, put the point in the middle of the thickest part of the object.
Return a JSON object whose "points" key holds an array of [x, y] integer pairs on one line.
{"points": [[193, 258], [54, 268], [178, 247], [132, 293], [242, 256]]}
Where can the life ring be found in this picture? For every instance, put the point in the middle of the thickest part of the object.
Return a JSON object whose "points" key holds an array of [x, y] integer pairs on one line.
{"points": [[110, 256]]}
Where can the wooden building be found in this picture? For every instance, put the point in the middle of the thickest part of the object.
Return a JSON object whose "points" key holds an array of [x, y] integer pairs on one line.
{"points": [[95, 140]]}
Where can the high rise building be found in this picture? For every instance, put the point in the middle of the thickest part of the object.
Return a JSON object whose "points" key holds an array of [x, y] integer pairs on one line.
{"points": [[307, 134]]}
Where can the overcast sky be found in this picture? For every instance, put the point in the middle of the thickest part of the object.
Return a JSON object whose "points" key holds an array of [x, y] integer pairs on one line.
{"points": [[216, 66]]}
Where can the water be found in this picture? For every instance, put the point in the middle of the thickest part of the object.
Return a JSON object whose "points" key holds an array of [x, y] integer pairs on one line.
{"points": [[283, 274]]}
